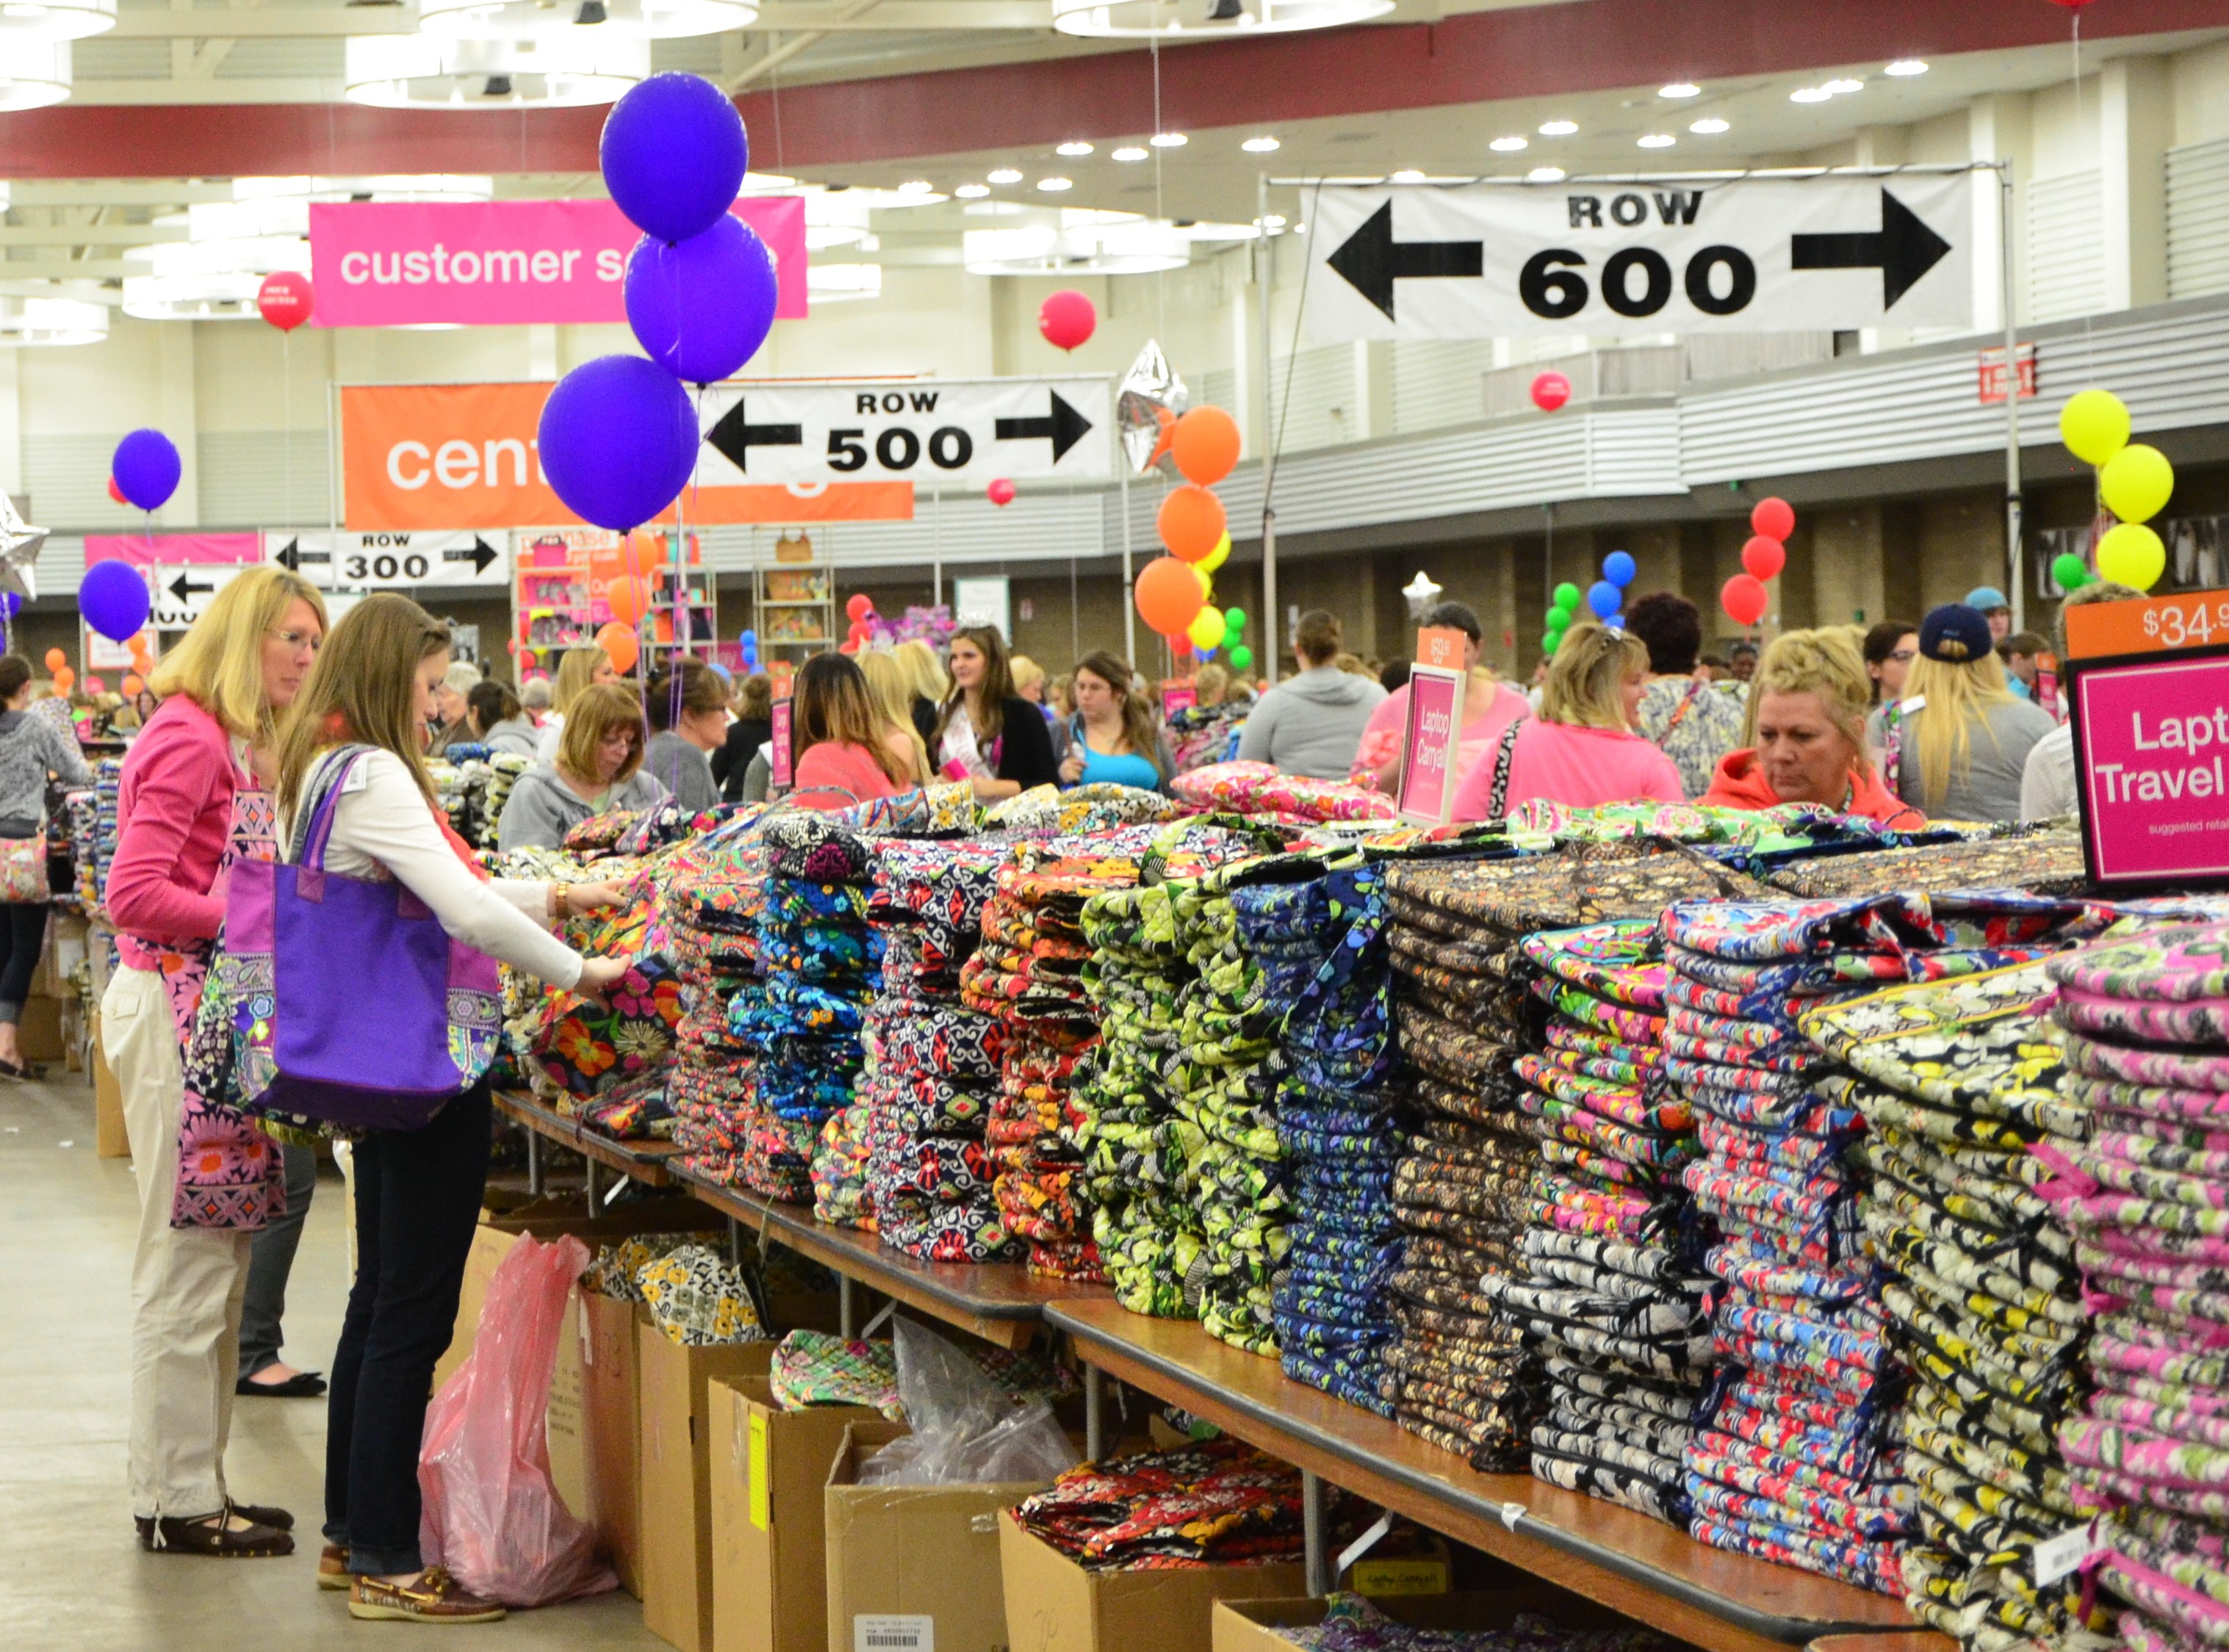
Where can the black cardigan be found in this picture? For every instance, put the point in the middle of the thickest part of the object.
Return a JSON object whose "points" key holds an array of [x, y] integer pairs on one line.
{"points": [[1025, 745]]}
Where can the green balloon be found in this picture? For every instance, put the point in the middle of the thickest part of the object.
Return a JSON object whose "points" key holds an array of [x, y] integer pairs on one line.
{"points": [[2070, 570], [1549, 641], [1568, 597], [1559, 619], [1234, 620], [1240, 657]]}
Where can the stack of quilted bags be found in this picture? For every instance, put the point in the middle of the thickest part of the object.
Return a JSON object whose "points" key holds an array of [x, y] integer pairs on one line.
{"points": [[1611, 1286], [1256, 788], [711, 906]]}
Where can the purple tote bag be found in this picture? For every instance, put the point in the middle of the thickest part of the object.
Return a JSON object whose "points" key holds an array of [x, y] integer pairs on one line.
{"points": [[353, 1006]]}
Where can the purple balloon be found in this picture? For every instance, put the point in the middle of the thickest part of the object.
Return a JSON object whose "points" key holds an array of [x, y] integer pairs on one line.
{"points": [[113, 597], [701, 307], [146, 469], [618, 440], [674, 155]]}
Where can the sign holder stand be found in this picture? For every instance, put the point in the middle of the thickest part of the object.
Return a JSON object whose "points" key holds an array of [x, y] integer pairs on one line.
{"points": [[1429, 742]]}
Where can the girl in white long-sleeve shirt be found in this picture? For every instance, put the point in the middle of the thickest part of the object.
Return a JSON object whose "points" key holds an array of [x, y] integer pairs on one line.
{"points": [[417, 1191]]}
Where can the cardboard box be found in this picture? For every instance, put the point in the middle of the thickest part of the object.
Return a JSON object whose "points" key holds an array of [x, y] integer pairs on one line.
{"points": [[1053, 1605], [676, 1553], [595, 1427], [39, 1035], [64, 948], [108, 1137], [913, 1568], [769, 1521], [1252, 1625]]}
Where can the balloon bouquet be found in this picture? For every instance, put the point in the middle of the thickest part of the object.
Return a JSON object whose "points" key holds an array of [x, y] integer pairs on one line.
{"points": [[2133, 481], [1605, 600], [1173, 591], [618, 435], [1744, 596]]}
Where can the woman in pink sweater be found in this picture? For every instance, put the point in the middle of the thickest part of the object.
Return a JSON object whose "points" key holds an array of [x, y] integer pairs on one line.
{"points": [[1581, 750], [188, 803], [844, 752]]}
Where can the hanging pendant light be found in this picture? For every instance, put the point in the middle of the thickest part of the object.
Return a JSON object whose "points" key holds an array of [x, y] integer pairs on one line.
{"points": [[1146, 19], [34, 73], [56, 19], [569, 69], [532, 19]]}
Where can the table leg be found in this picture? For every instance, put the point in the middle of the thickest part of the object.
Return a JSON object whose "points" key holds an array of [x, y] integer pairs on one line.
{"points": [[533, 1173], [847, 1306], [735, 1242], [1312, 1536], [1095, 1414], [592, 1168]]}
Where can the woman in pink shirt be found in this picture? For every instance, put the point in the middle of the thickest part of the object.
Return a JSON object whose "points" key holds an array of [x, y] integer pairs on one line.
{"points": [[1489, 706], [189, 803], [844, 752], [1581, 750]]}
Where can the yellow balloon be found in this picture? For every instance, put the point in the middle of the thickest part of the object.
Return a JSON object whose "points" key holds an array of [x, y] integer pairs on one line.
{"points": [[1205, 631], [1216, 557], [1206, 585], [2135, 483], [2094, 425], [2132, 554]]}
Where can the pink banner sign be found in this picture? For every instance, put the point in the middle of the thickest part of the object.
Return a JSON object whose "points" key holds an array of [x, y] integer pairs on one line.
{"points": [[1177, 697], [1428, 746], [2153, 740], [173, 550], [496, 263], [778, 744]]}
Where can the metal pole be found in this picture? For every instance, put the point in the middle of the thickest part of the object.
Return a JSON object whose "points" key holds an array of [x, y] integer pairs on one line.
{"points": [[1268, 436], [735, 1242], [1312, 1538], [1095, 1414], [847, 1306], [534, 1171], [591, 1187], [2016, 587], [1129, 599]]}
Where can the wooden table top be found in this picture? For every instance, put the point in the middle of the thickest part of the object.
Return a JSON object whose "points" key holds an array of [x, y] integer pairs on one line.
{"points": [[644, 1161]]}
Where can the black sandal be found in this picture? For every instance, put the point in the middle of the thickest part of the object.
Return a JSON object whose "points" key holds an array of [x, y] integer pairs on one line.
{"points": [[277, 1520], [28, 1071], [303, 1384], [211, 1536]]}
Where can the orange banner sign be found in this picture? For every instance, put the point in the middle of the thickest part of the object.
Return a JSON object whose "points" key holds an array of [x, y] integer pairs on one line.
{"points": [[424, 455], [2194, 619]]}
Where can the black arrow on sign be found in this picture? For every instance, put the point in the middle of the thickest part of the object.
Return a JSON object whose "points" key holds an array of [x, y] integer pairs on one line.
{"points": [[734, 437], [479, 555], [1063, 426], [183, 591], [1903, 249], [1372, 260], [293, 556]]}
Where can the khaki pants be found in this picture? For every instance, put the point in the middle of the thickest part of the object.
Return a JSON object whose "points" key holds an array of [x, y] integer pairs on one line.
{"points": [[187, 1282]]}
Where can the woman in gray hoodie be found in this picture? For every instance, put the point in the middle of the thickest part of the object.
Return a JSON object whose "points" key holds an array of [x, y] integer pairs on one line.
{"points": [[1312, 725]]}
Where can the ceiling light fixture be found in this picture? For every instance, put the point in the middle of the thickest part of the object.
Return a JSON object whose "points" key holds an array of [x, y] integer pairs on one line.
{"points": [[1054, 186], [56, 20], [1657, 140], [842, 283], [572, 68], [1130, 152], [1558, 128], [52, 321], [33, 72], [1168, 140], [1073, 149], [1004, 175], [532, 19], [1904, 67], [1838, 88], [1680, 89], [1264, 145], [1408, 175], [1089, 243], [1544, 174], [916, 186], [1274, 222], [1709, 126], [1144, 19], [973, 191], [1809, 94], [1509, 145]]}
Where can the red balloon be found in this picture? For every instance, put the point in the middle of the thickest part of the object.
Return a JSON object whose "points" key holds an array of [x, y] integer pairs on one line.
{"points": [[117, 493], [860, 606], [1550, 390], [1774, 518], [1001, 492], [1744, 599], [1764, 557], [1067, 319], [285, 299]]}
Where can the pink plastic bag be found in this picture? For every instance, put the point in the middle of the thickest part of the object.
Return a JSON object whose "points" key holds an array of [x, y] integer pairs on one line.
{"points": [[491, 1515]]}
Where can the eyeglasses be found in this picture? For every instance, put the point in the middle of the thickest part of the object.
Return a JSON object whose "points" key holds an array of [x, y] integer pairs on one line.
{"points": [[299, 640]]}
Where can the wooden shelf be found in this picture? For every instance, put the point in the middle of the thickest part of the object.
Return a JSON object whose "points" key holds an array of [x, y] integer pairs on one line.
{"points": [[644, 1161], [1634, 1565]]}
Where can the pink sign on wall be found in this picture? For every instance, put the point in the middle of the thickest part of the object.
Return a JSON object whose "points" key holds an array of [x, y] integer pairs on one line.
{"points": [[2153, 740], [493, 263], [173, 550]]}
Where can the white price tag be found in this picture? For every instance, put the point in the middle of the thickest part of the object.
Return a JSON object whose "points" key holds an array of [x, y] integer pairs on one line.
{"points": [[2057, 1556], [893, 1632]]}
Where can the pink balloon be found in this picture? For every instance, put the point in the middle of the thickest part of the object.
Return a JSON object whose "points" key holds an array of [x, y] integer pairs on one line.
{"points": [[95, 685], [1001, 492], [285, 299], [1550, 390], [1067, 319]]}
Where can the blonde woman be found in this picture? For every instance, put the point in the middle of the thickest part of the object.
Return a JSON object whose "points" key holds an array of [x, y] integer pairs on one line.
{"points": [[192, 800], [887, 689], [1581, 750], [582, 669], [926, 685], [1961, 752], [1806, 733], [598, 768]]}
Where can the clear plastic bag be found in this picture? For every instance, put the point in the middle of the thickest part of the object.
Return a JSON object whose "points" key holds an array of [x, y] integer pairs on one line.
{"points": [[966, 1430], [491, 1515]]}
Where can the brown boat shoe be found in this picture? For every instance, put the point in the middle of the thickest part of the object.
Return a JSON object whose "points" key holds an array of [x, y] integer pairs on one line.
{"points": [[332, 1567], [431, 1597]]}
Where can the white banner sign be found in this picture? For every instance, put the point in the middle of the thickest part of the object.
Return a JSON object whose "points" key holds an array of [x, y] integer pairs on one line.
{"points": [[392, 561], [182, 595], [1750, 256], [956, 431]]}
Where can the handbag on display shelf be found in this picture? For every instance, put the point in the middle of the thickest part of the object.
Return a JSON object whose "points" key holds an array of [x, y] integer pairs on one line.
{"points": [[352, 1005], [23, 872]]}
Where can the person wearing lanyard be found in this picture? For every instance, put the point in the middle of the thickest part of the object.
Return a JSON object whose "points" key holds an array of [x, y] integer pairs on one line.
{"points": [[1112, 739]]}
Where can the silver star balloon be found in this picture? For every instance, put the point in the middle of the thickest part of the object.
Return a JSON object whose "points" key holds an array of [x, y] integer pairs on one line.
{"points": [[19, 551], [1145, 410], [1420, 592]]}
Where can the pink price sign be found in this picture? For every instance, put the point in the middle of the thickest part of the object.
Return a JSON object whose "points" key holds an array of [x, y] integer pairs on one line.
{"points": [[778, 744], [2152, 737], [1428, 745], [489, 263]]}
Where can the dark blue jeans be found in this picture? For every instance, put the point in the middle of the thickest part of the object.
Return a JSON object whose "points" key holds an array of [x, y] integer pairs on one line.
{"points": [[417, 1202]]}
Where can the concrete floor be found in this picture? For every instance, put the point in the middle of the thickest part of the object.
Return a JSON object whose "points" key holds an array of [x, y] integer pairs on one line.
{"points": [[72, 1575]]}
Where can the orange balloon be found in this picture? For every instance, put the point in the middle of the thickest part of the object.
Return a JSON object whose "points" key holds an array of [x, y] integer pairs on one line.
{"points": [[1191, 521], [132, 684], [56, 660], [629, 599], [620, 645], [1168, 595], [1205, 447], [64, 677]]}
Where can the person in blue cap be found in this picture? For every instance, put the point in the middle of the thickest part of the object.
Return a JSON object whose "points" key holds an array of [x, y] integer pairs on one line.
{"points": [[1963, 739], [1990, 602]]}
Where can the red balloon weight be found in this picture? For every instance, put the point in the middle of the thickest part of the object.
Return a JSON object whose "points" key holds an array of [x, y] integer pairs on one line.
{"points": [[1001, 492], [1067, 319], [1168, 595], [1744, 599], [1550, 390], [860, 606], [1774, 518], [1764, 557], [283, 299]]}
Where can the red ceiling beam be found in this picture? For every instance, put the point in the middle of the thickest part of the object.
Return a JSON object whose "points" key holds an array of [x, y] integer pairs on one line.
{"points": [[1587, 46]]}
